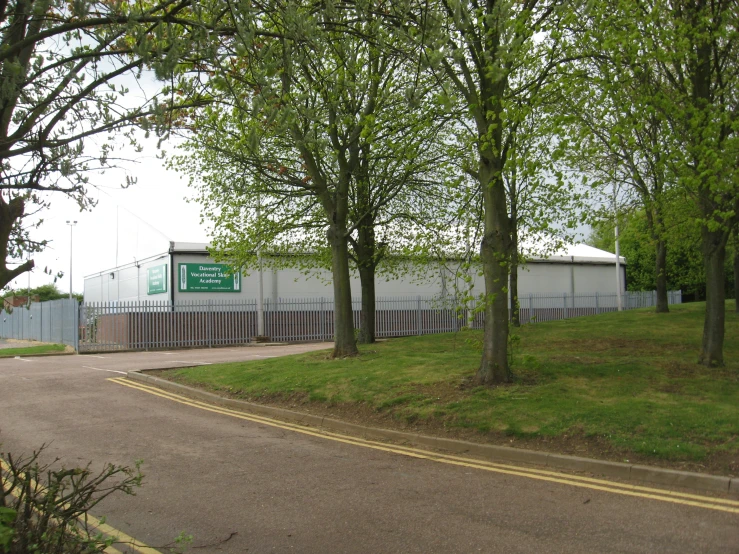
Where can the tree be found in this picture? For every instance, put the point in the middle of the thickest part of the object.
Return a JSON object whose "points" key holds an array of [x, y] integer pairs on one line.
{"points": [[545, 202], [492, 54], [292, 134], [308, 128], [616, 135], [63, 67], [693, 45], [736, 270], [404, 179], [44, 292], [684, 264]]}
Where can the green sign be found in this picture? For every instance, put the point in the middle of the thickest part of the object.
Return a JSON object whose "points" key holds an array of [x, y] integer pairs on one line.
{"points": [[156, 279], [195, 277]]}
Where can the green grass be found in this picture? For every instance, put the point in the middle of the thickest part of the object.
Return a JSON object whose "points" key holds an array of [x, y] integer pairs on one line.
{"points": [[624, 385], [26, 351]]}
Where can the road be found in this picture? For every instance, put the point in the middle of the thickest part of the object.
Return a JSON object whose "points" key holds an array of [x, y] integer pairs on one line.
{"points": [[211, 475]]}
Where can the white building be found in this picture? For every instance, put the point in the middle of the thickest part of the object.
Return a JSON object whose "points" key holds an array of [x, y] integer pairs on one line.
{"points": [[187, 272]]}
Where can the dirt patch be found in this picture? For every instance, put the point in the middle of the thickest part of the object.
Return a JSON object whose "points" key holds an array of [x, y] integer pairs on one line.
{"points": [[668, 388], [618, 346], [444, 392], [687, 369], [575, 443]]}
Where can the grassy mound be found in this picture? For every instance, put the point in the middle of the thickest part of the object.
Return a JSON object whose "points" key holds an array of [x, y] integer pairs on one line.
{"points": [[620, 386]]}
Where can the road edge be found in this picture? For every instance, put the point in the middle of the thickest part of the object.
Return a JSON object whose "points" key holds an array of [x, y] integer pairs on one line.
{"points": [[38, 355], [632, 472]]}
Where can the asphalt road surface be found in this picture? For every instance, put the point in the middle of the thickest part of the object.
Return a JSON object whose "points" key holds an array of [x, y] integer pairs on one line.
{"points": [[270, 489]]}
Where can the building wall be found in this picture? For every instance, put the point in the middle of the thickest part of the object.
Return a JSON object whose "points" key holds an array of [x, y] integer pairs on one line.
{"points": [[129, 283], [540, 278], [598, 278], [317, 283], [126, 283]]}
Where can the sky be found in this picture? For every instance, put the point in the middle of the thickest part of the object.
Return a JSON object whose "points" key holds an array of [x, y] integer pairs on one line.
{"points": [[126, 224], [135, 222]]}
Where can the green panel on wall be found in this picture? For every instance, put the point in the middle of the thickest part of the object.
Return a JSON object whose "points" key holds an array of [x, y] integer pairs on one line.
{"points": [[197, 277], [156, 279]]}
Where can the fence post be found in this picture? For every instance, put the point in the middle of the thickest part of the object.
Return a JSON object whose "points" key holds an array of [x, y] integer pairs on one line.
{"points": [[532, 319], [268, 317], [654, 298], [564, 301], [418, 316], [76, 326], [597, 303], [322, 318], [209, 323]]}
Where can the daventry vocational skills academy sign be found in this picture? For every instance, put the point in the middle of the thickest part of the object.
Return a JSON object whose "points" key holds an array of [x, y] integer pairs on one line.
{"points": [[208, 278]]}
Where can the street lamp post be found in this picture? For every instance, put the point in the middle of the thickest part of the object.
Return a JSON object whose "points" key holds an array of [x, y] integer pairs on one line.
{"points": [[71, 228]]}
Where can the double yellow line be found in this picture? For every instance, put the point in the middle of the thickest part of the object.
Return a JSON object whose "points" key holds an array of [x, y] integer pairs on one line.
{"points": [[707, 502], [119, 537]]}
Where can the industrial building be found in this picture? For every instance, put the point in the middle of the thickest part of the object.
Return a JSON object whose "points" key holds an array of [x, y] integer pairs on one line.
{"points": [[187, 272]]}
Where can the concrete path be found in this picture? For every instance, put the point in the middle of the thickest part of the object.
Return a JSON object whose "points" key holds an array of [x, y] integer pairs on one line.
{"points": [[212, 475]]}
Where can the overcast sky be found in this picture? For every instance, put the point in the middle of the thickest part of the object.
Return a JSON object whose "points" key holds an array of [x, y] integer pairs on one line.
{"points": [[149, 214], [126, 224], [135, 222]]}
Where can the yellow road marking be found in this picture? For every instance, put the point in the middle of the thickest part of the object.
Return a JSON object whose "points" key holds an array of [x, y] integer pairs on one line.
{"points": [[104, 528], [406, 449], [688, 499], [121, 537]]}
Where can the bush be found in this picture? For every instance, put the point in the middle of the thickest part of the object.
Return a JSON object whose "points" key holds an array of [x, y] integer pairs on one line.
{"points": [[44, 511]]}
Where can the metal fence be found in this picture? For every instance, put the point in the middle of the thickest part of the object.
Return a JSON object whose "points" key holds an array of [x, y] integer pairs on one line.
{"points": [[53, 321], [534, 307], [155, 325]]}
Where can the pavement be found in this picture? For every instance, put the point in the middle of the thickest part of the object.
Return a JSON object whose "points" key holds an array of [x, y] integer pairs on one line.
{"points": [[240, 484]]}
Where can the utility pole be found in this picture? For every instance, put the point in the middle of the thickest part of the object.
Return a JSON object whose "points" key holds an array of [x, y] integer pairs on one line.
{"points": [[71, 229]]}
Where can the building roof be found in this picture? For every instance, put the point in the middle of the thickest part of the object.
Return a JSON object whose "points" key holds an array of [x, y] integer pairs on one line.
{"points": [[570, 253], [582, 253]]}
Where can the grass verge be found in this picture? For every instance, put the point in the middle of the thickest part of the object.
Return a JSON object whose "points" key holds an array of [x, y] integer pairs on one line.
{"points": [[619, 386], [27, 351]]}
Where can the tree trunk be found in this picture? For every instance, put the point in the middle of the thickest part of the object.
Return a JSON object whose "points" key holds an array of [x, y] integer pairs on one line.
{"points": [[365, 249], [367, 322], [661, 272], [515, 316], [495, 257], [736, 268], [714, 256], [344, 341], [10, 213]]}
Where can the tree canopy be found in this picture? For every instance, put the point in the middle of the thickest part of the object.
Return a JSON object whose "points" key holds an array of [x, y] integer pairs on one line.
{"points": [[65, 72]]}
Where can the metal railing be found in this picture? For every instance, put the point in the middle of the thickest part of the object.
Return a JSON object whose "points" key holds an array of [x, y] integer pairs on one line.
{"points": [[158, 325], [547, 307]]}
